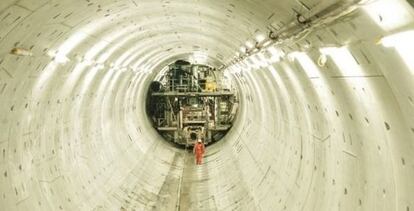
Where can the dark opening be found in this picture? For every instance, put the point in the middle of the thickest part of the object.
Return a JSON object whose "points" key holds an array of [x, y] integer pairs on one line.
{"points": [[188, 101]]}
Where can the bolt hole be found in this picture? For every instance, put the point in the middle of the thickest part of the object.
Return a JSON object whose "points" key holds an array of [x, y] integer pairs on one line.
{"points": [[387, 126]]}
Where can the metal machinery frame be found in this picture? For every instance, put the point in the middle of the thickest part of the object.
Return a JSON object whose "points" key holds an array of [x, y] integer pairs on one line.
{"points": [[189, 102]]}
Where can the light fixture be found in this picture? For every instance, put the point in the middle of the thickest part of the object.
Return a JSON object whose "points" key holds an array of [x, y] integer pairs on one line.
{"points": [[243, 49], [21, 52], [260, 38], [249, 44]]}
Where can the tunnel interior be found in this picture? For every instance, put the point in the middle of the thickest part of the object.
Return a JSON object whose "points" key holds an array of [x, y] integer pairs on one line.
{"points": [[189, 102], [324, 122]]}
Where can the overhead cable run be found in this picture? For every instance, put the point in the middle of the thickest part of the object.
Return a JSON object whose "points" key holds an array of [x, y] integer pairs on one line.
{"points": [[302, 26]]}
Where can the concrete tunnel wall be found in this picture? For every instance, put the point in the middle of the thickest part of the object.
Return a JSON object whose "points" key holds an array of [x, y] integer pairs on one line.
{"points": [[74, 134]]}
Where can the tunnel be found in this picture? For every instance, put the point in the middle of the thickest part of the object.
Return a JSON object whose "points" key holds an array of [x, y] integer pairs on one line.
{"points": [[325, 121]]}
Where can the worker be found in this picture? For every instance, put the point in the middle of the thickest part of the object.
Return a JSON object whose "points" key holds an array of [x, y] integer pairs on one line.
{"points": [[199, 150]]}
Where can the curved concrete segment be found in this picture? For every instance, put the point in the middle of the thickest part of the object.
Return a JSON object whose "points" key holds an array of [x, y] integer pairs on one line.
{"points": [[325, 121]]}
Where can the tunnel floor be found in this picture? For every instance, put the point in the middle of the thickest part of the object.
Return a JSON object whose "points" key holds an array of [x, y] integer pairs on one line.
{"points": [[180, 189]]}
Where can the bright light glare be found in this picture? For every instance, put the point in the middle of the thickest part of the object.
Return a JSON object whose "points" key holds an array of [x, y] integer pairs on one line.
{"points": [[260, 38], [67, 47], [256, 61], [276, 54], [58, 57], [95, 50], [343, 60], [71, 43], [402, 38], [279, 81], [252, 62], [249, 44], [72, 78], [46, 74], [243, 49], [88, 79], [104, 82], [262, 60], [86, 62], [388, 14], [404, 44], [245, 65], [307, 64]]}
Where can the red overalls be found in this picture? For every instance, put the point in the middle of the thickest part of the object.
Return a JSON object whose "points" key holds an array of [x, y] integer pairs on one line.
{"points": [[199, 151]]}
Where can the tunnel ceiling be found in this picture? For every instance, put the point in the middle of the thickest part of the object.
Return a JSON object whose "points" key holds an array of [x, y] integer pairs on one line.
{"points": [[143, 33]]}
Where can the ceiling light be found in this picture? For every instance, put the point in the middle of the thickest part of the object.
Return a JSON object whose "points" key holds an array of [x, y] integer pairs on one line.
{"points": [[21, 52], [249, 44], [260, 38]]}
